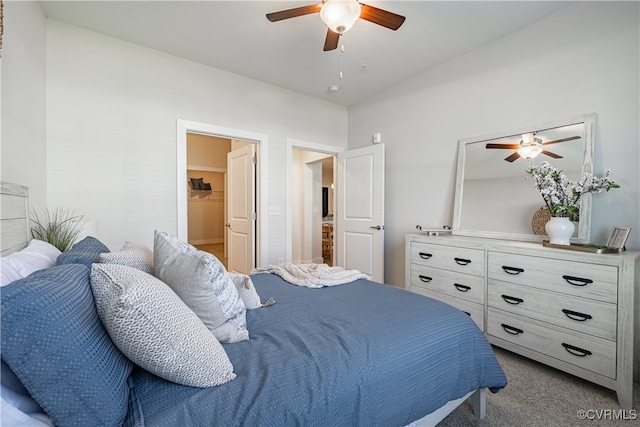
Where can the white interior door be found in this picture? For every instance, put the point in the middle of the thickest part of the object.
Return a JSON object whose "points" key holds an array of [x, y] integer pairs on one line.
{"points": [[359, 230], [241, 209]]}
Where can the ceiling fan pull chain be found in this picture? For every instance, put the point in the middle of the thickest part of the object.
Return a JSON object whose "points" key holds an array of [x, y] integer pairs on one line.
{"points": [[341, 53]]}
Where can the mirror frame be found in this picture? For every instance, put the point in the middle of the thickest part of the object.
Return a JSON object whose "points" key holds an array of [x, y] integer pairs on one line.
{"points": [[584, 224]]}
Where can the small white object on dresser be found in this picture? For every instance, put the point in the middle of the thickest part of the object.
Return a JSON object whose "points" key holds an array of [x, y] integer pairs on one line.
{"points": [[575, 311]]}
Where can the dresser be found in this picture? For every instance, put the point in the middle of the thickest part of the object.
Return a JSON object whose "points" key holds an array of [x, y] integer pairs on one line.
{"points": [[572, 310]]}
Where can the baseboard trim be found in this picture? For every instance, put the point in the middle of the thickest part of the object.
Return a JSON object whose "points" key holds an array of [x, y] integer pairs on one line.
{"points": [[206, 242]]}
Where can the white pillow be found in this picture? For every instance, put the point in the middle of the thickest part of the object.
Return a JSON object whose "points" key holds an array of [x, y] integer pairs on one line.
{"points": [[202, 282], [149, 323], [246, 290], [132, 254], [17, 407], [36, 256]]}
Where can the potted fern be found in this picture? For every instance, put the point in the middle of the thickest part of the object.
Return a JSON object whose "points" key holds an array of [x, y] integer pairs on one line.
{"points": [[57, 226]]}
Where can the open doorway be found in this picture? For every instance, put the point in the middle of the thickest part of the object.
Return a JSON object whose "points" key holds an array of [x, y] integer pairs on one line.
{"points": [[206, 196], [313, 206], [256, 251], [221, 195], [358, 233]]}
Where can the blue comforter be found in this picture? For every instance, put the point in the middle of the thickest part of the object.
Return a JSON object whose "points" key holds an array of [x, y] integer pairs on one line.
{"points": [[359, 354]]}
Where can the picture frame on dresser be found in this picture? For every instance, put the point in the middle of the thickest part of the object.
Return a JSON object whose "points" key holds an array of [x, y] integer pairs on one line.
{"points": [[618, 238]]}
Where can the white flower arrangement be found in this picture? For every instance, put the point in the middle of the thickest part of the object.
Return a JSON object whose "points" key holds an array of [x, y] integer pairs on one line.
{"points": [[562, 196]]}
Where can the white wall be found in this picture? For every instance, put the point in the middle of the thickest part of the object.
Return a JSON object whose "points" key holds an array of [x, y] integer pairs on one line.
{"points": [[24, 138], [582, 59], [112, 109]]}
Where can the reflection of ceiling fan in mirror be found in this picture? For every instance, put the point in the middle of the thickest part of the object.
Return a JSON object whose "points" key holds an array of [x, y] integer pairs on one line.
{"points": [[530, 146], [339, 16]]}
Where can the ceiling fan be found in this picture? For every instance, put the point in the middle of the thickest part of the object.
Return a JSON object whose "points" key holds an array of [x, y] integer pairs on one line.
{"points": [[530, 146], [339, 16]]}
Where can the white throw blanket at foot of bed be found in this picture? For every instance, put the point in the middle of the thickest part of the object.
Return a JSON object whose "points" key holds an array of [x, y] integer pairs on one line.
{"points": [[312, 275]]}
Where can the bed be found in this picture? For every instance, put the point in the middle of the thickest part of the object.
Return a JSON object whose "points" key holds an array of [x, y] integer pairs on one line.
{"points": [[357, 354]]}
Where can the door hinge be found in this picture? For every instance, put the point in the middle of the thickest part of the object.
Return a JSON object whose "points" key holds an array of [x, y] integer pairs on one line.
{"points": [[255, 216], [254, 160]]}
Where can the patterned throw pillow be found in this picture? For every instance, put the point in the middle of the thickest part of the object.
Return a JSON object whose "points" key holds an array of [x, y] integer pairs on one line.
{"points": [[149, 323], [131, 254], [86, 251], [202, 282], [54, 342]]}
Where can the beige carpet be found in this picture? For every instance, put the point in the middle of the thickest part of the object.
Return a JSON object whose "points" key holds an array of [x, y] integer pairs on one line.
{"points": [[538, 395]]}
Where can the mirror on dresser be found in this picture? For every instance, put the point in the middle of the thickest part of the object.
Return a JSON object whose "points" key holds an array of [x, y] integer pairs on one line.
{"points": [[494, 195]]}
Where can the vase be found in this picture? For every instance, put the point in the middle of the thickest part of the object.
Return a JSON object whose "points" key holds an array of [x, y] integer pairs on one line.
{"points": [[559, 230]]}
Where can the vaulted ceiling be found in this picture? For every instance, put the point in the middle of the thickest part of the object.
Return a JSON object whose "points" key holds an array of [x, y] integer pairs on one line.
{"points": [[235, 36]]}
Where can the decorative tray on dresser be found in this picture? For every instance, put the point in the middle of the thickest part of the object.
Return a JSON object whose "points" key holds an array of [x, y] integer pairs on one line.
{"points": [[572, 310]]}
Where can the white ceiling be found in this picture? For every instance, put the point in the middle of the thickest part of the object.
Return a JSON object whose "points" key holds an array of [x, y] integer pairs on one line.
{"points": [[236, 36]]}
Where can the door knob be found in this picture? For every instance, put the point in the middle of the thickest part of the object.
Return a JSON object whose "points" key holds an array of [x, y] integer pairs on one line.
{"points": [[227, 225], [378, 227]]}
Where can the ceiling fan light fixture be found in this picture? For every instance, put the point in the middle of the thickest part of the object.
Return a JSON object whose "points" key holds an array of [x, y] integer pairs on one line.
{"points": [[529, 146], [340, 15]]}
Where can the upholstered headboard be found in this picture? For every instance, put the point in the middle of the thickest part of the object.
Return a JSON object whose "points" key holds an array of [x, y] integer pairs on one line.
{"points": [[14, 217]]}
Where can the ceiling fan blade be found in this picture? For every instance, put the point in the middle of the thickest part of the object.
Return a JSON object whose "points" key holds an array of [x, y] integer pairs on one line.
{"points": [[331, 41], [508, 146], [387, 19], [293, 13], [512, 157], [560, 140], [550, 154]]}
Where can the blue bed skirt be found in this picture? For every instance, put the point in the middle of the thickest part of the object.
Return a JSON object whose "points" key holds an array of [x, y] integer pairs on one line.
{"points": [[359, 354]]}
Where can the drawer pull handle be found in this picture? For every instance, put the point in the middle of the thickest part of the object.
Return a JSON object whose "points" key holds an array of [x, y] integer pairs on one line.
{"points": [[467, 313], [462, 261], [424, 255], [577, 281], [512, 300], [575, 315], [425, 279], [462, 288], [512, 270], [511, 330], [576, 351]]}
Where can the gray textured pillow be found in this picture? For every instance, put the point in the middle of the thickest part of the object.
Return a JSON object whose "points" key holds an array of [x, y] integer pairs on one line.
{"points": [[132, 254], [149, 323], [202, 282]]}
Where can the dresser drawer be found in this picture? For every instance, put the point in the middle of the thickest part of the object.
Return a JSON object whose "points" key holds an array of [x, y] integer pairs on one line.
{"points": [[579, 314], [594, 281], [457, 285], [461, 260], [476, 311], [585, 351]]}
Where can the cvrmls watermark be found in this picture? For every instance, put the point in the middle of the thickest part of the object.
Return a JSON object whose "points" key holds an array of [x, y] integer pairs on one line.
{"points": [[607, 414]]}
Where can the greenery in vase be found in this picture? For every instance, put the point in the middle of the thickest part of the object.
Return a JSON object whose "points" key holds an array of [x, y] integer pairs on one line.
{"points": [[562, 196], [57, 226]]}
